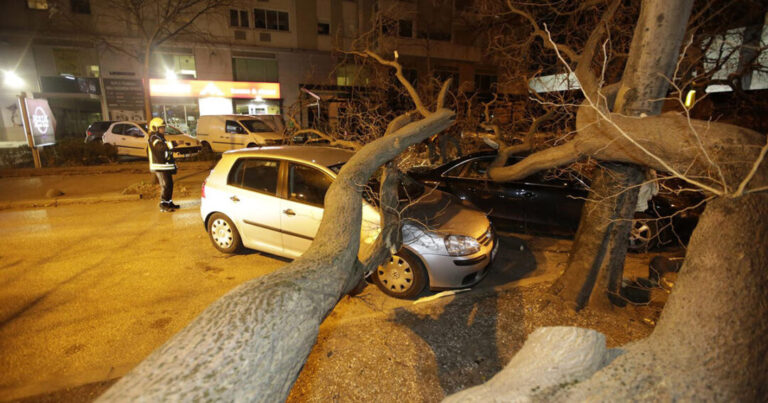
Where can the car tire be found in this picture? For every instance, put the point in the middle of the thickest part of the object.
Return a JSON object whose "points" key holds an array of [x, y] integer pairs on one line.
{"points": [[223, 234], [205, 148], [402, 276], [644, 234], [251, 145]]}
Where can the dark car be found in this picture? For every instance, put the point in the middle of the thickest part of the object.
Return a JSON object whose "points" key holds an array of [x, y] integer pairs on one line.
{"points": [[96, 130], [548, 203]]}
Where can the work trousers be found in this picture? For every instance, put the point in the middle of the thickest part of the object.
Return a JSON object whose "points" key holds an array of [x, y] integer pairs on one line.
{"points": [[166, 182]]}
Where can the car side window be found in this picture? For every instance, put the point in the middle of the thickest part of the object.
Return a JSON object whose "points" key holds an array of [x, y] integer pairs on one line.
{"points": [[455, 172], [134, 131], [118, 129], [477, 168], [307, 184], [234, 127], [255, 174]]}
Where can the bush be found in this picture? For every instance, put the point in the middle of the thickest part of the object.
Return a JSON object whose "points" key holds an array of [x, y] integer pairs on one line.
{"points": [[74, 152], [16, 157]]}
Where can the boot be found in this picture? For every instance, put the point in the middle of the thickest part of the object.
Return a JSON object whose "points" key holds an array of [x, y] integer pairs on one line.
{"points": [[166, 208]]}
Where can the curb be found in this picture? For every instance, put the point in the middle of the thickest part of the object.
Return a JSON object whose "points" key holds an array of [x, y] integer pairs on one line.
{"points": [[68, 201]]}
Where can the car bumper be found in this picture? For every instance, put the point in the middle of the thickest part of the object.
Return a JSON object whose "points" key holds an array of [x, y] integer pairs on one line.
{"points": [[185, 152], [461, 271]]}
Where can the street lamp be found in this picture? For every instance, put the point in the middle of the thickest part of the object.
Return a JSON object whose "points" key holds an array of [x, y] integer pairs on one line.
{"points": [[170, 75], [12, 80]]}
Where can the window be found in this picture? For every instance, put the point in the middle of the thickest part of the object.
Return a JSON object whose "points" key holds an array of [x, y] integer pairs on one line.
{"points": [[121, 128], [255, 174], [182, 65], [233, 127], [259, 70], [484, 82], [256, 126], [37, 4], [323, 28], [134, 131], [307, 185], [81, 6], [238, 18], [270, 19], [405, 28]]}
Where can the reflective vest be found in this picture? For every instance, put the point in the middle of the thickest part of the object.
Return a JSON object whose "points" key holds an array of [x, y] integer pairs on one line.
{"points": [[160, 157]]}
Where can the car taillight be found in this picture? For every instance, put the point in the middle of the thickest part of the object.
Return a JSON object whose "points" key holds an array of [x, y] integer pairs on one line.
{"points": [[202, 191], [89, 133]]}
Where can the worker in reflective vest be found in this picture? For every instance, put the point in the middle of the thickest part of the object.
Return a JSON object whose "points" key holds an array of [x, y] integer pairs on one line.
{"points": [[161, 162]]}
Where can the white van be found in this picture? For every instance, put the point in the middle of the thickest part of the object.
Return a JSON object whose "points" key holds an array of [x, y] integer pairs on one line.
{"points": [[220, 133]]}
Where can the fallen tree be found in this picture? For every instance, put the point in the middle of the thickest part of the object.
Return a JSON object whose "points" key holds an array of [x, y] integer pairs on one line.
{"points": [[710, 342], [251, 343]]}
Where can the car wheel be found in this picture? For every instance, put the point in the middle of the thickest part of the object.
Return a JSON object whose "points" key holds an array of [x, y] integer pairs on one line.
{"points": [[251, 145], [205, 147], [401, 276], [644, 234], [223, 233]]}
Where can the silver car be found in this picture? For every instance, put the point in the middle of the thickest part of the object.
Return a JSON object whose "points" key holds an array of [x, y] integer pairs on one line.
{"points": [[271, 199]]}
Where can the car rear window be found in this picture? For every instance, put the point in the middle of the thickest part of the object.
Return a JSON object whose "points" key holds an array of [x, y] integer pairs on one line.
{"points": [[255, 174]]}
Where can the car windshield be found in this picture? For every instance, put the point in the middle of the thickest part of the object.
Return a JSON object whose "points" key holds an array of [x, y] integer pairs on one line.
{"points": [[409, 188]]}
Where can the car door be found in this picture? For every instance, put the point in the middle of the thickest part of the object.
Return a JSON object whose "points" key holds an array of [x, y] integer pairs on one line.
{"points": [[469, 181], [134, 140], [254, 203], [235, 136], [302, 207], [556, 202]]}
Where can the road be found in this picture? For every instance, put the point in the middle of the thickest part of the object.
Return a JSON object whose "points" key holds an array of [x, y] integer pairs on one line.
{"points": [[88, 291]]}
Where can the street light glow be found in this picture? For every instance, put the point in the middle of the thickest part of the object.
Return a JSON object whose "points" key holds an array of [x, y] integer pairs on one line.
{"points": [[170, 75], [12, 80]]}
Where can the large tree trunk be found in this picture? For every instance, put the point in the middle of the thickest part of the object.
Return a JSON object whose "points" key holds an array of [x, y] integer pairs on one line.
{"points": [[601, 242], [251, 343], [595, 266]]}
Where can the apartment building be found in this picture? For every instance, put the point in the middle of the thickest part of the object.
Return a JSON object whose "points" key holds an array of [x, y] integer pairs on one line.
{"points": [[258, 57]]}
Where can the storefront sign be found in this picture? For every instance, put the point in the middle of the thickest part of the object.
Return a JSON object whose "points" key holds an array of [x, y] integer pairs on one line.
{"points": [[42, 124], [204, 89], [125, 98]]}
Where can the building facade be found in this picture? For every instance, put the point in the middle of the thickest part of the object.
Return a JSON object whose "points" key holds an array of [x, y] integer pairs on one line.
{"points": [[257, 57]]}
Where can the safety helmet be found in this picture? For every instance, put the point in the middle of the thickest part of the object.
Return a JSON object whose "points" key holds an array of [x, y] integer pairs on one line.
{"points": [[155, 124]]}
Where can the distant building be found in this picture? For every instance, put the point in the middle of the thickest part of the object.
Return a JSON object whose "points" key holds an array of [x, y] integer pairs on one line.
{"points": [[259, 57]]}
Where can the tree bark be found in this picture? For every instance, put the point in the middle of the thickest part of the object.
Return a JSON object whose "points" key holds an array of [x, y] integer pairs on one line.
{"points": [[595, 266], [251, 343]]}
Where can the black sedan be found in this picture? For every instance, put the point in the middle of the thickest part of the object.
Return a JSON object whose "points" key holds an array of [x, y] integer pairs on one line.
{"points": [[547, 203]]}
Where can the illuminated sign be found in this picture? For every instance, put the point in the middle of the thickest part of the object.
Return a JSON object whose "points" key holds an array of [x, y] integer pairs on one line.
{"points": [[203, 89], [42, 124]]}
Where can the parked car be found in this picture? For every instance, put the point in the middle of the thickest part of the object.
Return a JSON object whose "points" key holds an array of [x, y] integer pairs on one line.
{"points": [[130, 138], [551, 204], [221, 133], [271, 199], [96, 130]]}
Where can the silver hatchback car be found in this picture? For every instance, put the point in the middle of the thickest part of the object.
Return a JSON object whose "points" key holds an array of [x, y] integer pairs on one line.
{"points": [[271, 199]]}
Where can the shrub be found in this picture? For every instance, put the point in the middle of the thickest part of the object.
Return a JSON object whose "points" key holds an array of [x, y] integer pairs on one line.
{"points": [[74, 152]]}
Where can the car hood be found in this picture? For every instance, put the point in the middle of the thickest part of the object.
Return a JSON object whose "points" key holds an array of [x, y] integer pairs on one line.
{"points": [[445, 214]]}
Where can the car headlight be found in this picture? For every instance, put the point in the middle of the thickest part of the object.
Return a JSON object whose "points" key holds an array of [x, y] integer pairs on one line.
{"points": [[461, 245]]}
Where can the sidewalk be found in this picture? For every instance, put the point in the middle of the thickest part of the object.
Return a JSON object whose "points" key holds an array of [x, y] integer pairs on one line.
{"points": [[50, 187]]}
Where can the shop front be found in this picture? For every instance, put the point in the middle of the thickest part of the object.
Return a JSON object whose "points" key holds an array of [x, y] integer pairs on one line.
{"points": [[182, 102]]}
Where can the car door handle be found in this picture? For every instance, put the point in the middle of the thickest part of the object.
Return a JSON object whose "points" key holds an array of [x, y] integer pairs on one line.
{"points": [[234, 199], [288, 212]]}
